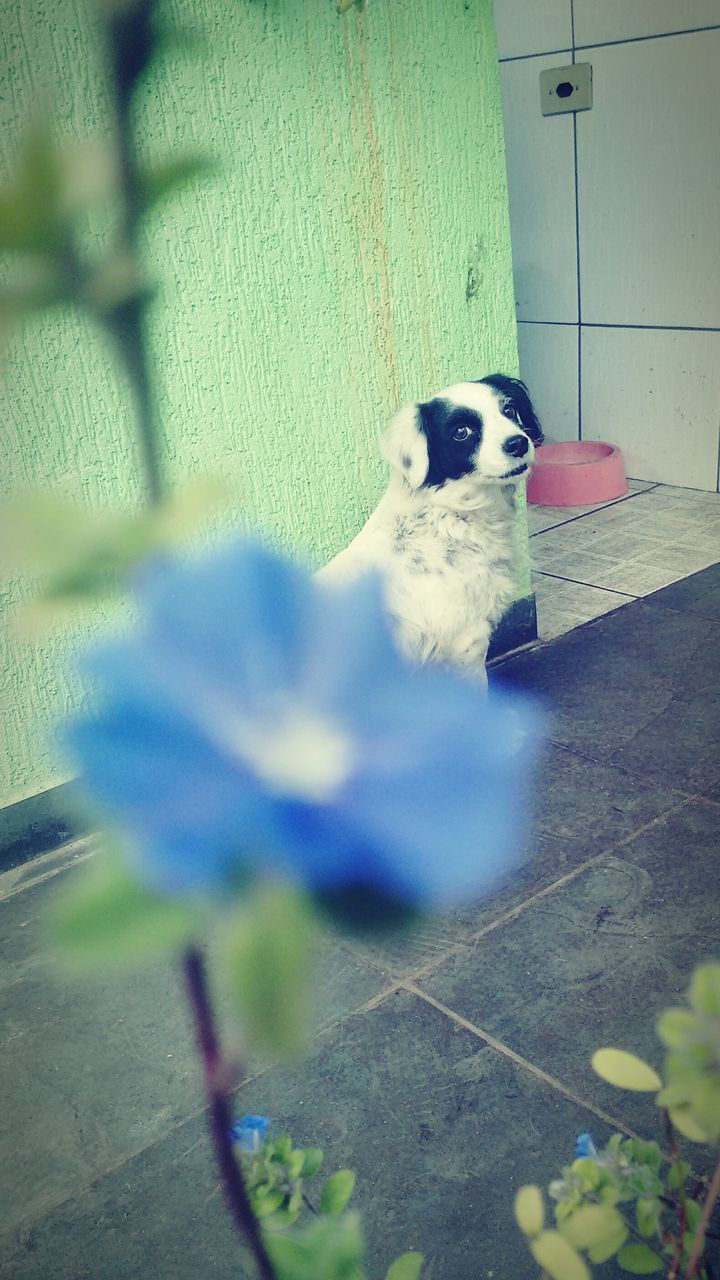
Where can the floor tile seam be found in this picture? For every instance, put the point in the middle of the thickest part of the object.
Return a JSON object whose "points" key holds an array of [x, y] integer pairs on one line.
{"points": [[518, 1060], [585, 514], [513, 913], [80, 1189], [624, 768], [579, 582]]}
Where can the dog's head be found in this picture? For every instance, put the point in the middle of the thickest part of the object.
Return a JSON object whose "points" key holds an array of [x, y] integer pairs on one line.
{"points": [[470, 435]]}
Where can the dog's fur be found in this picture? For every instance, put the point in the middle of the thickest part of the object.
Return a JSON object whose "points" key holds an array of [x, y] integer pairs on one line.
{"points": [[442, 534]]}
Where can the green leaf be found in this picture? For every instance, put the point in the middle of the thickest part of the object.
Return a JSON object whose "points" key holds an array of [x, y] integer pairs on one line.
{"points": [[31, 215], [678, 1093], [693, 1212], [704, 994], [337, 1191], [678, 1028], [685, 1123], [79, 554], [266, 951], [328, 1249], [591, 1225], [530, 1210], [267, 1203], [645, 1153], [557, 1257], [282, 1148], [625, 1070], [647, 1215], [678, 1174], [586, 1170], [639, 1260], [295, 1164], [313, 1158], [705, 1106], [160, 180], [608, 1247], [108, 917], [407, 1267]]}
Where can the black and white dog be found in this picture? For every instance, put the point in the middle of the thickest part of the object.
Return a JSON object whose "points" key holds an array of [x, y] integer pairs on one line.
{"points": [[443, 532]]}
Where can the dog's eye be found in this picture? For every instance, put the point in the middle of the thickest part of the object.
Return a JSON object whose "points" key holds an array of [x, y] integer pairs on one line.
{"points": [[509, 411], [462, 433]]}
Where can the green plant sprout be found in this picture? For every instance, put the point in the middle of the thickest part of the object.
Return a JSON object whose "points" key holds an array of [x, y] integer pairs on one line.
{"points": [[630, 1201]]}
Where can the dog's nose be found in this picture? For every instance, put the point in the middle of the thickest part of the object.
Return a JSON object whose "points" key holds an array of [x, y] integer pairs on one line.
{"points": [[516, 446]]}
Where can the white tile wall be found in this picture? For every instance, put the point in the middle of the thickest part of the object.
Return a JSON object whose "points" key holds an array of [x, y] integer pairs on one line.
{"points": [[649, 184], [541, 181], [532, 26], [656, 393], [646, 164], [599, 20], [549, 366]]}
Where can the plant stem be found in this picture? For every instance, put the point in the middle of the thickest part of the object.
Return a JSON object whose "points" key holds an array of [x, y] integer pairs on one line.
{"points": [[131, 47], [220, 1112], [682, 1212], [127, 325], [699, 1241]]}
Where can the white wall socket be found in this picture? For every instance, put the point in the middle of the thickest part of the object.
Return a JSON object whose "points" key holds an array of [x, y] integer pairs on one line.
{"points": [[566, 89]]}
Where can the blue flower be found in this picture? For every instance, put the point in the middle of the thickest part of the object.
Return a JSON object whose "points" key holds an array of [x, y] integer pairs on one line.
{"points": [[584, 1146], [259, 721], [248, 1132]]}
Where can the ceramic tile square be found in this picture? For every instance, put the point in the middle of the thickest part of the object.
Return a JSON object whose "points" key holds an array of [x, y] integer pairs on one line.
{"points": [[583, 567], [539, 518], [624, 20], [95, 1069], [538, 28], [679, 559], [585, 602], [607, 951], [649, 253], [656, 395], [541, 185], [637, 579], [638, 688], [555, 622], [548, 356]]}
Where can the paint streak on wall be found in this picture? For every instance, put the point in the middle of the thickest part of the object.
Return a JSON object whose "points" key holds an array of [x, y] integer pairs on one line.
{"points": [[352, 252]]}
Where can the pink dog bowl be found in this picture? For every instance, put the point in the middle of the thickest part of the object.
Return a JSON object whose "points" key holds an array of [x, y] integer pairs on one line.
{"points": [[576, 474]]}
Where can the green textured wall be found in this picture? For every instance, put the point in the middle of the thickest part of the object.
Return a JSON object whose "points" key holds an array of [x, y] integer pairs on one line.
{"points": [[352, 252]]}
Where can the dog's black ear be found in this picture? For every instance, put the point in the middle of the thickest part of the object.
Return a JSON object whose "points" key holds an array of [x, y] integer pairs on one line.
{"points": [[404, 446], [517, 393]]}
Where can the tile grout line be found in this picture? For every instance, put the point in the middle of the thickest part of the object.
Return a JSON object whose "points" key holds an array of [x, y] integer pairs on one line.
{"points": [[634, 773], [617, 502], [577, 239], [619, 324], [524, 1063], [578, 582], [607, 44], [513, 913]]}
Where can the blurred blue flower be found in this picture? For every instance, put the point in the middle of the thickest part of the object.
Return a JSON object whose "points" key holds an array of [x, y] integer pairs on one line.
{"points": [[248, 1132], [259, 720], [584, 1146]]}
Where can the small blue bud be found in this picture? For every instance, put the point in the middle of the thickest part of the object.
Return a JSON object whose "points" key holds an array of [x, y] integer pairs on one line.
{"points": [[584, 1146], [248, 1132]]}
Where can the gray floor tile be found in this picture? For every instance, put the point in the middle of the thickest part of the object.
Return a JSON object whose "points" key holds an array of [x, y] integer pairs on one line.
{"points": [[635, 690], [95, 1070], [595, 962], [440, 1128], [580, 807]]}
